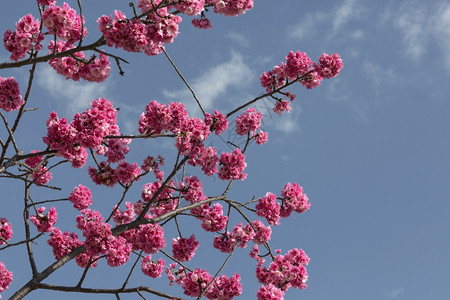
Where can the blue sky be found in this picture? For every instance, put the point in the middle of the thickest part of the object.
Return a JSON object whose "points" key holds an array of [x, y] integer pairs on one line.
{"points": [[371, 148]]}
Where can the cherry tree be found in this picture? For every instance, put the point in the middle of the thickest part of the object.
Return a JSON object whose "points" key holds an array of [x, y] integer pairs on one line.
{"points": [[129, 233]]}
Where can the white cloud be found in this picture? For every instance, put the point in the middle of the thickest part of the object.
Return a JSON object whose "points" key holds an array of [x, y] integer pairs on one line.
{"points": [[378, 74], [213, 83], [238, 38], [395, 292], [338, 17], [421, 25], [74, 96]]}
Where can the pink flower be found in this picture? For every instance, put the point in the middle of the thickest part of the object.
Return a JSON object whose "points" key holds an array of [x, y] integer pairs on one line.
{"points": [[63, 243], [248, 122], [10, 98], [98, 234], [27, 37], [127, 173], [262, 232], [152, 268], [6, 232], [190, 7], [231, 7], [46, 2], [217, 122], [40, 173], [81, 197], [195, 282], [64, 22], [225, 288], [118, 252], [281, 106], [268, 208], [183, 249], [105, 175], [312, 80], [293, 200], [149, 238], [6, 278], [202, 23], [262, 137], [297, 64], [233, 165], [329, 65], [207, 159], [269, 292], [213, 218], [44, 223]]}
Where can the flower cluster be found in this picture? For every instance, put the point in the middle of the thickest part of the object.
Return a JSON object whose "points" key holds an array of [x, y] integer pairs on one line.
{"points": [[248, 122], [151, 268], [44, 223], [217, 122], [76, 67], [292, 199], [46, 2], [207, 159], [81, 197], [40, 174], [134, 35], [212, 217], [63, 243], [231, 7], [87, 130], [224, 288], [194, 283], [5, 231], [284, 271], [239, 236], [190, 7], [6, 278], [300, 67], [64, 22], [232, 165], [202, 23], [10, 98], [26, 38], [183, 249]]}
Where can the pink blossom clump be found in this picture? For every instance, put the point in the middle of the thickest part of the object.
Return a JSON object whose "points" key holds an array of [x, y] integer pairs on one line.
{"points": [[329, 65], [183, 249], [282, 105], [6, 278], [149, 238], [268, 208], [262, 137], [118, 252], [297, 64], [126, 216], [212, 217], [159, 118], [40, 174], [63, 243], [269, 292], [104, 175], [64, 23], [217, 122], [81, 197], [285, 271], [44, 223], [231, 7], [25, 39], [6, 232], [46, 2], [232, 165], [202, 23], [93, 69], [262, 232], [61, 137], [207, 159], [127, 173], [151, 268], [97, 233], [248, 122], [224, 288], [10, 98], [239, 236], [194, 283], [152, 164], [190, 7], [293, 200]]}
